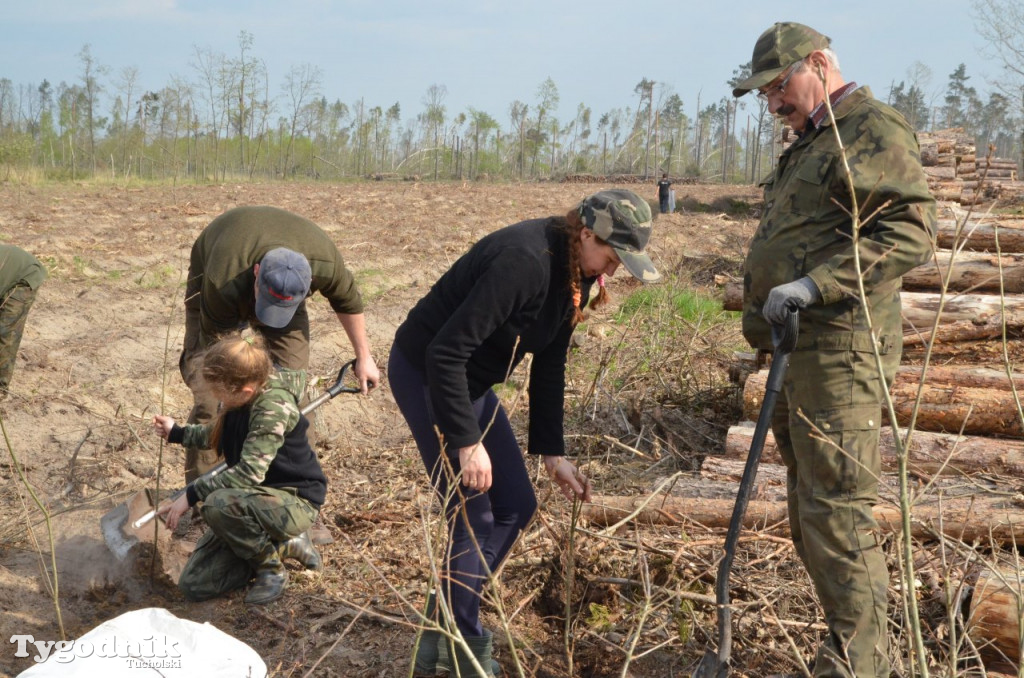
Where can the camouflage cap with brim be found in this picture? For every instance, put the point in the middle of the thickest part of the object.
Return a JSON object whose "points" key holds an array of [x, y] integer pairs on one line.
{"points": [[622, 219], [779, 47]]}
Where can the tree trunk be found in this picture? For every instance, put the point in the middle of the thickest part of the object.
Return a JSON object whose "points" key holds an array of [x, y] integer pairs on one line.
{"points": [[930, 452], [979, 517], [996, 614], [972, 271], [919, 310], [978, 401], [981, 236]]}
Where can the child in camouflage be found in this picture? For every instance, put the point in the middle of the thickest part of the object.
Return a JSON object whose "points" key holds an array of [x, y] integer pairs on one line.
{"points": [[258, 509]]}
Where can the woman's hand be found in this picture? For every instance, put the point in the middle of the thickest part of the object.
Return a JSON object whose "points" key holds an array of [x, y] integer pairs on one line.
{"points": [[162, 425], [570, 480], [173, 511], [476, 467]]}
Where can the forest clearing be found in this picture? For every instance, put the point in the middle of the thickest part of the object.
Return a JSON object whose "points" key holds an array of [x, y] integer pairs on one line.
{"points": [[622, 587]]}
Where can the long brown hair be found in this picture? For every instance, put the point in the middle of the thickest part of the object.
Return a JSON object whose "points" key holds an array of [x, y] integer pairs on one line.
{"points": [[231, 363], [573, 226]]}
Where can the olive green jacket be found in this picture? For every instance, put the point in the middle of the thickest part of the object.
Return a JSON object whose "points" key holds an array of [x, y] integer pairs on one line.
{"points": [[803, 232], [18, 266], [220, 274]]}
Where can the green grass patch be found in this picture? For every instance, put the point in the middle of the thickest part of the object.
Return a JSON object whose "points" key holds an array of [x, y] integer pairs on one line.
{"points": [[681, 304], [157, 277]]}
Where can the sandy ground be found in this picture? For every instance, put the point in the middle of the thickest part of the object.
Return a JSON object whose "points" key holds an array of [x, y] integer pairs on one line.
{"points": [[99, 358]]}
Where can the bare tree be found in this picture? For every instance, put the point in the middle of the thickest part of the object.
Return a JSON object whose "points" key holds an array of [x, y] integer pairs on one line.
{"points": [[517, 116], [301, 84], [126, 86], [434, 116], [1001, 23], [92, 89]]}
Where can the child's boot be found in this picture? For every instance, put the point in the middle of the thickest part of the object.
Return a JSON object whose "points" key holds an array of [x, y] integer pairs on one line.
{"points": [[271, 577]]}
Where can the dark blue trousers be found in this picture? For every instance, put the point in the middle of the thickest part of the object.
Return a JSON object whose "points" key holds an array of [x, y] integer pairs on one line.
{"points": [[492, 519]]}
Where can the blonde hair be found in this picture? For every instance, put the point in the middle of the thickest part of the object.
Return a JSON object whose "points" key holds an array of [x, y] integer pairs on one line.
{"points": [[232, 363]]}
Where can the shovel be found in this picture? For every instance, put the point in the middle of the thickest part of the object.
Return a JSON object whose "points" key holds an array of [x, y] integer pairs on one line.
{"points": [[712, 664], [128, 524]]}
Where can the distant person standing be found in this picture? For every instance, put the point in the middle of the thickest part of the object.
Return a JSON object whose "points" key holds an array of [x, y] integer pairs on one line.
{"points": [[664, 193], [256, 266], [21, 274]]}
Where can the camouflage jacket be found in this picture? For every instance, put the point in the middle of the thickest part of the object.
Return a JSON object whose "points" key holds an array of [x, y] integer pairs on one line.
{"points": [[272, 415], [803, 232]]}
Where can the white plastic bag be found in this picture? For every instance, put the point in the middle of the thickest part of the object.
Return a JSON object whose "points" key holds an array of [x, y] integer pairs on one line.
{"points": [[151, 638]]}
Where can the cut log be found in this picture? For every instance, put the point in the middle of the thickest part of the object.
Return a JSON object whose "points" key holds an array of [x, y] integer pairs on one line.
{"points": [[988, 408], [979, 517], [770, 472], [980, 237], [936, 172], [930, 452], [961, 312], [959, 331], [972, 271], [965, 317], [996, 613], [949, 409], [920, 308]]}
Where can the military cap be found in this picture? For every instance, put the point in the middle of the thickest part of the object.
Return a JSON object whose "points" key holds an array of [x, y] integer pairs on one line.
{"points": [[779, 47], [622, 219]]}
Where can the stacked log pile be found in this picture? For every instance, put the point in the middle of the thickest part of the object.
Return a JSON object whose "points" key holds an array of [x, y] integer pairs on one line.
{"points": [[957, 173]]}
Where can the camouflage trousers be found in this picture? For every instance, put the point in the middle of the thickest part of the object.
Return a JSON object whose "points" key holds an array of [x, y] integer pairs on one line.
{"points": [[13, 313], [246, 527], [288, 349], [833, 466]]}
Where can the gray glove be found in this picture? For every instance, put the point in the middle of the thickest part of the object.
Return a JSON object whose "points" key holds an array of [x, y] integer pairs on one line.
{"points": [[790, 296]]}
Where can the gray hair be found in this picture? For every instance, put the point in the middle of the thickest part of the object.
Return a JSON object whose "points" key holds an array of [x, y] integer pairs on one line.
{"points": [[833, 61]]}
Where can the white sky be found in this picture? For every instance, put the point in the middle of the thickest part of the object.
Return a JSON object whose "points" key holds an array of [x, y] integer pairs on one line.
{"points": [[486, 53]]}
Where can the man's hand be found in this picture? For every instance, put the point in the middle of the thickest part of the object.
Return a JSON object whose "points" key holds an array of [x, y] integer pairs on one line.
{"points": [[476, 467], [367, 373], [791, 296], [570, 480]]}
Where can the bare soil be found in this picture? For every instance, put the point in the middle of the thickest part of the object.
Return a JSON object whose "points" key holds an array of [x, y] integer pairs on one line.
{"points": [[99, 358]]}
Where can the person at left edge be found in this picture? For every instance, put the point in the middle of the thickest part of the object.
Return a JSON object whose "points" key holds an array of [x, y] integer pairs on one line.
{"points": [[21, 274], [518, 290]]}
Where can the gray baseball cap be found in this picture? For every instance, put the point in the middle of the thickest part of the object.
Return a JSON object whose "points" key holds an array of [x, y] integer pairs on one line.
{"points": [[623, 220], [282, 284]]}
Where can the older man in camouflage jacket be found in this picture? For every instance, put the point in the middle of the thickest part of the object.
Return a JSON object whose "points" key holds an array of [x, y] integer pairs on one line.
{"points": [[802, 256]]}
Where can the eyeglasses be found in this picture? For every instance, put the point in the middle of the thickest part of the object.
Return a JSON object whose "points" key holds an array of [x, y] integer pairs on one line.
{"points": [[780, 89]]}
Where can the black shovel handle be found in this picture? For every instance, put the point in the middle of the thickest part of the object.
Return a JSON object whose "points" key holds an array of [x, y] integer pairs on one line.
{"points": [[335, 389], [784, 338]]}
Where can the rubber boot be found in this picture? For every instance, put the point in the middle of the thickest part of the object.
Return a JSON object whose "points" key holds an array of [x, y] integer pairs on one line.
{"points": [[480, 647], [271, 576], [301, 549], [319, 533], [428, 644]]}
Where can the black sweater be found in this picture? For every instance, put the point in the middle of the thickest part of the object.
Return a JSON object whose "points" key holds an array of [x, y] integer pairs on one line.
{"points": [[507, 296]]}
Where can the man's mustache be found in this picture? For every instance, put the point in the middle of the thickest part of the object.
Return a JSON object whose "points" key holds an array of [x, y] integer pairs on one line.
{"points": [[785, 110]]}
